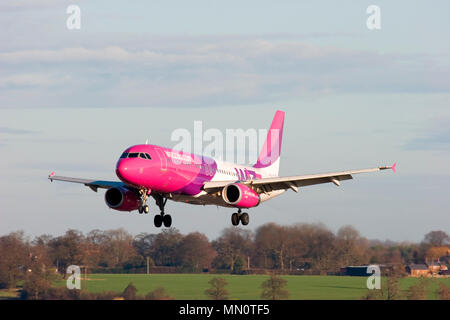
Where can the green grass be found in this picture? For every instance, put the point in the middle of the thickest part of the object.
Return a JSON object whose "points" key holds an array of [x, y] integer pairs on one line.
{"points": [[192, 286]]}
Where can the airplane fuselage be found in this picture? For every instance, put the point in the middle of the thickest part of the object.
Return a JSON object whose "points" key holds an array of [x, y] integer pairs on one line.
{"points": [[179, 173]]}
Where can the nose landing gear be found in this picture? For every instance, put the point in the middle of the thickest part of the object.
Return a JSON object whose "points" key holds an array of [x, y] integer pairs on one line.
{"points": [[143, 208]]}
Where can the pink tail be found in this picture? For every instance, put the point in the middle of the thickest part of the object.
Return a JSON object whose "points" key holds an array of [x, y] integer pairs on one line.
{"points": [[270, 153], [393, 167]]}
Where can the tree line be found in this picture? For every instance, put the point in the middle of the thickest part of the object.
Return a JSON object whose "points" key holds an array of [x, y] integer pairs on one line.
{"points": [[300, 248]]}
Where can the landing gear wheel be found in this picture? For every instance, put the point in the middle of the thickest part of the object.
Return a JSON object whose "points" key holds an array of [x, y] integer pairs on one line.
{"points": [[158, 220], [245, 219], [140, 209], [234, 219], [167, 219], [145, 209]]}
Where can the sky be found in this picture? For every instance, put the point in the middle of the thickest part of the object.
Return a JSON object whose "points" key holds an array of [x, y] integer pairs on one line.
{"points": [[72, 100]]}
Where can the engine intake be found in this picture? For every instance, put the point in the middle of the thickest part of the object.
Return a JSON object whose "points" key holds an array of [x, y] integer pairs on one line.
{"points": [[240, 196], [122, 199]]}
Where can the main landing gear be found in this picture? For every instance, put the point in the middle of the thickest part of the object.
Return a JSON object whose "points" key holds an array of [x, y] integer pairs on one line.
{"points": [[162, 218], [242, 217]]}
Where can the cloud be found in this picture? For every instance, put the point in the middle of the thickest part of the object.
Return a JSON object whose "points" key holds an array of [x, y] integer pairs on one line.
{"points": [[31, 80], [436, 137], [204, 71], [27, 5], [16, 131]]}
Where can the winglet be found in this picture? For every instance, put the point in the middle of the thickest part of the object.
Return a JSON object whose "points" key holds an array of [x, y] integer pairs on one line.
{"points": [[51, 175], [393, 166]]}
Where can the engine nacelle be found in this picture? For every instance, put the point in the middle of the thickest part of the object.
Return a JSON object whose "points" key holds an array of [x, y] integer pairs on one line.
{"points": [[122, 199], [240, 196]]}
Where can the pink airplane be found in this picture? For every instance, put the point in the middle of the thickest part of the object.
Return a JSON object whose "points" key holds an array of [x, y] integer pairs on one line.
{"points": [[149, 170]]}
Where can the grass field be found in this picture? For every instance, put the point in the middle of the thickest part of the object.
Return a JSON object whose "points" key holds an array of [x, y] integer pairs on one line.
{"points": [[192, 286]]}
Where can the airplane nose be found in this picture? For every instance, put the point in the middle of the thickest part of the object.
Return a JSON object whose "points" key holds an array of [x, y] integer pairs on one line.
{"points": [[122, 170]]}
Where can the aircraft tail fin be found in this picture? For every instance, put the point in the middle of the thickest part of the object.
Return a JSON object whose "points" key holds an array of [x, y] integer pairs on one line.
{"points": [[269, 157]]}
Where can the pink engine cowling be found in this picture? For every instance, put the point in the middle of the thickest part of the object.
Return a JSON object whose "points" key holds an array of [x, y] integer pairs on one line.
{"points": [[122, 199], [240, 196]]}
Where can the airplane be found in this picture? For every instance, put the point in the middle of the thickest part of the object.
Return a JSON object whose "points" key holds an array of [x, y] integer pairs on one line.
{"points": [[149, 170]]}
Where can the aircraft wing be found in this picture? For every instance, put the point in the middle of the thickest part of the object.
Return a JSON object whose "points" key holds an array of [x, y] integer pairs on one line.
{"points": [[293, 182], [91, 183]]}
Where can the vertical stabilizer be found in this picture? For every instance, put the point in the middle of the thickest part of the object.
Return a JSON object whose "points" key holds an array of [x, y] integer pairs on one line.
{"points": [[269, 157]]}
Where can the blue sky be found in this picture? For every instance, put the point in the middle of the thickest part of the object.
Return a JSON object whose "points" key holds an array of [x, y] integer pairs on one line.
{"points": [[71, 101]]}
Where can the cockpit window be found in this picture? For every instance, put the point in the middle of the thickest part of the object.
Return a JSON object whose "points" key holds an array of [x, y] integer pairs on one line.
{"points": [[144, 156], [135, 155]]}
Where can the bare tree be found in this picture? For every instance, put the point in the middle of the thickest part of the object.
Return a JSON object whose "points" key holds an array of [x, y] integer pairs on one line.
{"points": [[233, 242], [418, 291], [217, 290], [66, 250], [437, 238], [273, 288], [165, 247], [129, 293], [158, 294], [195, 252], [443, 292], [14, 259]]}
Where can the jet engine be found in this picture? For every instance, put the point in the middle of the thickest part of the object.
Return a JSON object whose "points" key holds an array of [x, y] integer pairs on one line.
{"points": [[122, 199], [240, 196]]}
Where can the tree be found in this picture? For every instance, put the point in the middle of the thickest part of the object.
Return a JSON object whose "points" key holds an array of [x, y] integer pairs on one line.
{"points": [[165, 247], [238, 267], [373, 295], [435, 253], [437, 238], [272, 289], [393, 291], [14, 259], [443, 292], [38, 280], [130, 292], [350, 246], [217, 290], [271, 240], [66, 250], [158, 294], [143, 243], [418, 291], [195, 252], [119, 247], [233, 242]]}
